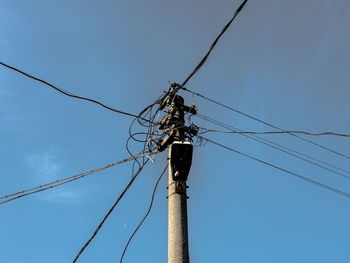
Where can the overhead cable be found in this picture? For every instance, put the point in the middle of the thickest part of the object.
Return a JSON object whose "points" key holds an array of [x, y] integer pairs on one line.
{"points": [[62, 181], [204, 59], [145, 216], [278, 146], [110, 211], [282, 169], [68, 93], [279, 132], [268, 143], [264, 122]]}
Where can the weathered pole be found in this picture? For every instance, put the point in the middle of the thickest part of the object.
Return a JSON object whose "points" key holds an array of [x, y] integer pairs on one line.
{"points": [[180, 159], [177, 219]]}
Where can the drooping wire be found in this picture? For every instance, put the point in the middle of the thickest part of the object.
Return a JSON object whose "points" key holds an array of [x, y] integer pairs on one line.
{"points": [[146, 120], [109, 212], [281, 169], [279, 147], [149, 130], [279, 132], [145, 216], [204, 59], [264, 122], [68, 93], [59, 182], [150, 126]]}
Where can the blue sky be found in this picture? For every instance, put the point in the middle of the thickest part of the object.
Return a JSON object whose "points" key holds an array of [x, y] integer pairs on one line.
{"points": [[285, 62]]}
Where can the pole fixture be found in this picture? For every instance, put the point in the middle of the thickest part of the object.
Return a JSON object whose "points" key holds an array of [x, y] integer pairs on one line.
{"points": [[173, 123], [180, 157]]}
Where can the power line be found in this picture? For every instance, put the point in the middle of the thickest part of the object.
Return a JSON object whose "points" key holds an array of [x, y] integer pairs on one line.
{"points": [[145, 216], [281, 169], [204, 59], [70, 94], [279, 132], [264, 122], [110, 211], [62, 181], [255, 138], [279, 147]]}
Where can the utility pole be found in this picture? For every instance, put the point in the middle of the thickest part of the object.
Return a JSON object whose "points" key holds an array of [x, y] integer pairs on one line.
{"points": [[180, 159], [177, 206]]}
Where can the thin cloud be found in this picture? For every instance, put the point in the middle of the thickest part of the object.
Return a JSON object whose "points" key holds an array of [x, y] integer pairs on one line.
{"points": [[59, 196], [43, 165], [45, 168]]}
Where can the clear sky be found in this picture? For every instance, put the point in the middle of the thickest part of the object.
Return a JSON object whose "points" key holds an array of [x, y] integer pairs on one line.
{"points": [[286, 62]]}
